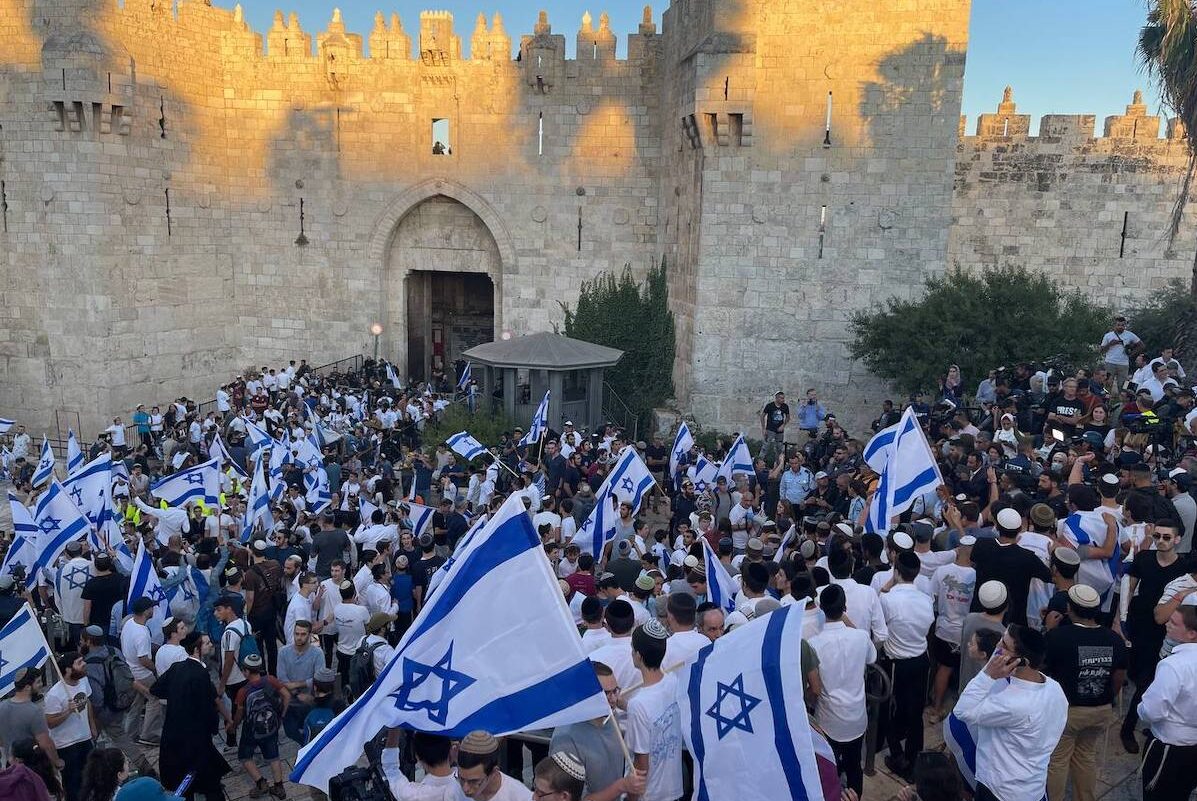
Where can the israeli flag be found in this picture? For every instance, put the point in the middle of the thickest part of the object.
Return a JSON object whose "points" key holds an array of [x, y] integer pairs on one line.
{"points": [[6, 424], [258, 504], [738, 461], [90, 488], [743, 717], [495, 649], [420, 517], [199, 483], [1089, 528], [599, 528], [465, 446], [144, 583], [74, 453], [540, 423], [435, 580], [319, 494], [960, 741], [721, 590], [59, 523], [393, 378], [22, 645], [22, 552], [218, 451], [467, 374], [682, 444], [257, 436], [630, 479], [703, 473], [45, 465], [280, 455], [908, 470]]}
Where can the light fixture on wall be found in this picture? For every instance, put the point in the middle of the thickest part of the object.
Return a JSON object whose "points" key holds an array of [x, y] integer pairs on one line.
{"points": [[376, 330], [505, 335]]}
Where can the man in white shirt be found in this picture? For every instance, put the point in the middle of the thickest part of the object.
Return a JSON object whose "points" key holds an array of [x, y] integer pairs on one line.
{"points": [[478, 771], [952, 586], [909, 615], [1169, 707], [617, 654], [1116, 347], [653, 720], [841, 709], [1016, 726], [1158, 382], [117, 431], [173, 631], [68, 590], [171, 520], [143, 720], [222, 400], [863, 605], [71, 719], [350, 618], [684, 642], [301, 607], [1177, 490], [432, 752], [594, 632]]}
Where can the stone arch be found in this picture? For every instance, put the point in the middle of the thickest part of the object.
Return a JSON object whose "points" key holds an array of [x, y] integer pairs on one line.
{"points": [[435, 227]]}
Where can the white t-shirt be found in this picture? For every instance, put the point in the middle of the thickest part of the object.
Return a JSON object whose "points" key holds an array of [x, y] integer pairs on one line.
{"points": [[68, 588], [1117, 353], [222, 401], [75, 729], [118, 435], [654, 728], [167, 655], [230, 642], [351, 626], [135, 643], [953, 586]]}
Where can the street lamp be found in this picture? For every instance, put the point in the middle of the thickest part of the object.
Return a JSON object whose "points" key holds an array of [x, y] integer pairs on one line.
{"points": [[376, 330]]}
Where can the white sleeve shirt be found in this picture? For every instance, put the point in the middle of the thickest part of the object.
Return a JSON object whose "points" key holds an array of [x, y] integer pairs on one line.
{"points": [[1170, 705], [909, 614], [843, 653]]}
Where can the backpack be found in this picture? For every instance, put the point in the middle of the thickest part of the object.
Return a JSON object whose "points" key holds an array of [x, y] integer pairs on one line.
{"points": [[263, 711], [273, 588], [315, 722], [248, 642], [361, 667], [118, 692]]}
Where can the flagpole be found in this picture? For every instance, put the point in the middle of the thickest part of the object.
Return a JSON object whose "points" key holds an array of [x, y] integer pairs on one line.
{"points": [[50, 651], [501, 463]]}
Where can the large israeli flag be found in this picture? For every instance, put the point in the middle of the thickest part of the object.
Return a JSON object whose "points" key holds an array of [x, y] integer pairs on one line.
{"points": [[59, 522], [22, 552], [45, 465], [540, 423], [280, 455], [319, 491], [682, 444], [74, 453], [6, 424], [91, 489], [420, 517], [630, 479], [258, 437], [495, 649], [703, 473], [743, 717], [22, 645], [144, 583], [199, 483], [738, 461], [908, 470], [960, 741], [721, 589], [465, 446], [1089, 528], [467, 375], [599, 527]]}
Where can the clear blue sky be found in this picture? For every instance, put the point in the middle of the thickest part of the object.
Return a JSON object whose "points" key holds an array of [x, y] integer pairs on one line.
{"points": [[1061, 56]]}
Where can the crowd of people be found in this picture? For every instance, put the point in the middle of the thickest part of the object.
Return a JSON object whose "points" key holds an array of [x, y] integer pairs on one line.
{"points": [[1049, 570]]}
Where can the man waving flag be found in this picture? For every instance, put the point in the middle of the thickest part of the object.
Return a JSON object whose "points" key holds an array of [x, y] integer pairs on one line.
{"points": [[494, 649], [540, 423], [901, 456], [743, 717], [630, 479], [199, 483]]}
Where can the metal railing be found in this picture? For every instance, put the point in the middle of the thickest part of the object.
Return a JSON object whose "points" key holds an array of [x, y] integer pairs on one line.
{"points": [[351, 363], [618, 412]]}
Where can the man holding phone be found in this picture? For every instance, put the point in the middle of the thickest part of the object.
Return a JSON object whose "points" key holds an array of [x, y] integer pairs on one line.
{"points": [[1017, 726], [1116, 349]]}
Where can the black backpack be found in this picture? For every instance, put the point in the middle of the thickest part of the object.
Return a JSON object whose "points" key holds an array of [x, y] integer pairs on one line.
{"points": [[274, 589], [118, 692], [361, 667], [263, 710]]}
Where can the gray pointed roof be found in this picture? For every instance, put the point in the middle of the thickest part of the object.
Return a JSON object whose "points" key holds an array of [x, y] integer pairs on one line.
{"points": [[543, 351]]}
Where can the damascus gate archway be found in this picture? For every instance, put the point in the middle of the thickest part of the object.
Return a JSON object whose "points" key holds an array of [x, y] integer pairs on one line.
{"points": [[443, 253]]}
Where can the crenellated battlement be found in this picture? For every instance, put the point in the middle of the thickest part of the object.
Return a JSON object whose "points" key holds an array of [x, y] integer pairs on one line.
{"points": [[1134, 127], [439, 43]]}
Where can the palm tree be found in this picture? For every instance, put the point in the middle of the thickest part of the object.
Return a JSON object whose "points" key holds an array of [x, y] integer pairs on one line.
{"points": [[1168, 51]]}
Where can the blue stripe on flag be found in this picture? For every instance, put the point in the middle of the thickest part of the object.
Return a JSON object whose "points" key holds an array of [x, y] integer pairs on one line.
{"points": [[918, 484], [69, 534], [18, 620], [6, 679], [696, 717], [524, 707], [882, 440], [961, 744], [511, 539], [771, 672]]}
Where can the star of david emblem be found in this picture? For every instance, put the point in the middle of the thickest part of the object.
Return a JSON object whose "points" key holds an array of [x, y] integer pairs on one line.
{"points": [[156, 594], [587, 524], [50, 524], [195, 478], [77, 494], [740, 720], [415, 675], [188, 595], [701, 486], [678, 454], [77, 576], [14, 568], [3, 662], [626, 484]]}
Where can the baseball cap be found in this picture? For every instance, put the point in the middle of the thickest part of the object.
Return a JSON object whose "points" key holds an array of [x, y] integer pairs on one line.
{"points": [[820, 475], [992, 594]]}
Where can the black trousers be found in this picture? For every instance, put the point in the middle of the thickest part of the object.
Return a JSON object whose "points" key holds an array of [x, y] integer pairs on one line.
{"points": [[848, 760], [1167, 770], [74, 758], [904, 734], [266, 627]]}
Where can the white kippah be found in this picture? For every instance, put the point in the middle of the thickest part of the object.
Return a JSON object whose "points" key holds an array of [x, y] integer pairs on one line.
{"points": [[570, 764], [655, 629]]}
